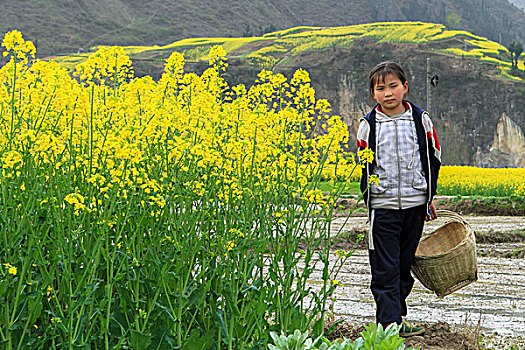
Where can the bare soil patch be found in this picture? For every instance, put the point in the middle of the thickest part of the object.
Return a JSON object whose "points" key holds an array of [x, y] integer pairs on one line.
{"points": [[486, 207], [437, 336], [354, 239], [252, 47], [489, 206]]}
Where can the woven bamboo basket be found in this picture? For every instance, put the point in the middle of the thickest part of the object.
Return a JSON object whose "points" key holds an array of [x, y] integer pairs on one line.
{"points": [[446, 259]]}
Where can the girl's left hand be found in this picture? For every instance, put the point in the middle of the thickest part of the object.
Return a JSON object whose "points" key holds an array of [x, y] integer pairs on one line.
{"points": [[431, 215]]}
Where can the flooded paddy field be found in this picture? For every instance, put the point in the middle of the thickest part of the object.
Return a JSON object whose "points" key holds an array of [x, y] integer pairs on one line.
{"points": [[495, 304]]}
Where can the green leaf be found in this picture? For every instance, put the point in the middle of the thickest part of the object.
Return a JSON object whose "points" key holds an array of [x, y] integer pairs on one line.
{"points": [[118, 324], [84, 346], [140, 340], [248, 288], [298, 319], [82, 326], [198, 342], [318, 328], [334, 326], [167, 311], [193, 295], [35, 307], [221, 324], [3, 286], [163, 341]]}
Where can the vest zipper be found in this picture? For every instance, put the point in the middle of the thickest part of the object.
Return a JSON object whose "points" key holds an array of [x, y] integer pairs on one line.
{"points": [[398, 168]]}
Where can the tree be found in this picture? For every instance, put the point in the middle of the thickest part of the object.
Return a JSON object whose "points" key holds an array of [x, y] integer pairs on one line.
{"points": [[515, 51], [453, 20], [247, 31]]}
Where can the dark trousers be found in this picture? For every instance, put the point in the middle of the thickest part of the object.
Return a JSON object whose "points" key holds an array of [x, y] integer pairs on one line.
{"points": [[396, 234]]}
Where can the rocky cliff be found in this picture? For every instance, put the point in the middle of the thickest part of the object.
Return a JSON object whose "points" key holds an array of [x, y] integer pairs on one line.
{"points": [[507, 147]]}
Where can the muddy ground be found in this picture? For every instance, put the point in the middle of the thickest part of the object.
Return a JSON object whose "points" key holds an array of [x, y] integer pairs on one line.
{"points": [[488, 206], [487, 314], [438, 336]]}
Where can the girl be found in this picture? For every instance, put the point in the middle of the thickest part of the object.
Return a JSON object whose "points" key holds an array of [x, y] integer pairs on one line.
{"points": [[407, 161]]}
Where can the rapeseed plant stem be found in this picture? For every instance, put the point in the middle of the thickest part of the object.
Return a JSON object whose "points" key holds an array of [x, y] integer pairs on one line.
{"points": [[13, 108], [91, 131]]}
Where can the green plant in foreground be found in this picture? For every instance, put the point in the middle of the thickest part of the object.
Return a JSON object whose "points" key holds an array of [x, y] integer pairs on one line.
{"points": [[296, 341], [373, 338], [377, 338]]}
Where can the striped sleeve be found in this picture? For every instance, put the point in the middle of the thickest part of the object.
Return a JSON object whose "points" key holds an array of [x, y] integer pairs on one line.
{"points": [[362, 135], [432, 135]]}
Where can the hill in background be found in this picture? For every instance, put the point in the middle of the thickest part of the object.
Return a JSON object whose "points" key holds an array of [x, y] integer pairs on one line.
{"points": [[60, 26]]}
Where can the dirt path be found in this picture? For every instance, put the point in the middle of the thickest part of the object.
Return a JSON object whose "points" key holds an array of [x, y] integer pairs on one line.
{"points": [[478, 223], [496, 301]]}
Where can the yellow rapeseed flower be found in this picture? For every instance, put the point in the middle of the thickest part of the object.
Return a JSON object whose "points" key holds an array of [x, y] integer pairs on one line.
{"points": [[12, 159], [336, 283], [373, 180], [11, 269], [230, 245], [366, 155]]}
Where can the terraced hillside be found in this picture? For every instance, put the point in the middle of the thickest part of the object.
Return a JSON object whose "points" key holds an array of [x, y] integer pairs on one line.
{"points": [[275, 49]]}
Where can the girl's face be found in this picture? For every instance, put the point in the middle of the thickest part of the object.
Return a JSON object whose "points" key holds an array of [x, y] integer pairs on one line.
{"points": [[389, 94]]}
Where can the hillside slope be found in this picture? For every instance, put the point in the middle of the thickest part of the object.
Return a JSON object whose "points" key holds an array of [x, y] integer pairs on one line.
{"points": [[274, 50], [69, 26]]}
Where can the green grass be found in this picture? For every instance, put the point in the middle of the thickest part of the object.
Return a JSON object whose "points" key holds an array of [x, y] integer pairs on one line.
{"points": [[353, 189], [350, 188]]}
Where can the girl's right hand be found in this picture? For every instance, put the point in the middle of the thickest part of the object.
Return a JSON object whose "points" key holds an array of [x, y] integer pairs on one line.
{"points": [[432, 214]]}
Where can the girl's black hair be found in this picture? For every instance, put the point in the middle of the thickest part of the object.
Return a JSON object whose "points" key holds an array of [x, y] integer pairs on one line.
{"points": [[379, 72]]}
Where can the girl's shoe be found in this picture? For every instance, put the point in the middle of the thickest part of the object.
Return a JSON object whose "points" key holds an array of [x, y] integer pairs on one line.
{"points": [[407, 330]]}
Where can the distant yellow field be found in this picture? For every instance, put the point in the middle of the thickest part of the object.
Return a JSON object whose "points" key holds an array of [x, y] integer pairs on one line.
{"points": [[467, 180]]}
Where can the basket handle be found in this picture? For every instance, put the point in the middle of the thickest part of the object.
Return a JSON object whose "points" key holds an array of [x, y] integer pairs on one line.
{"points": [[452, 215]]}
